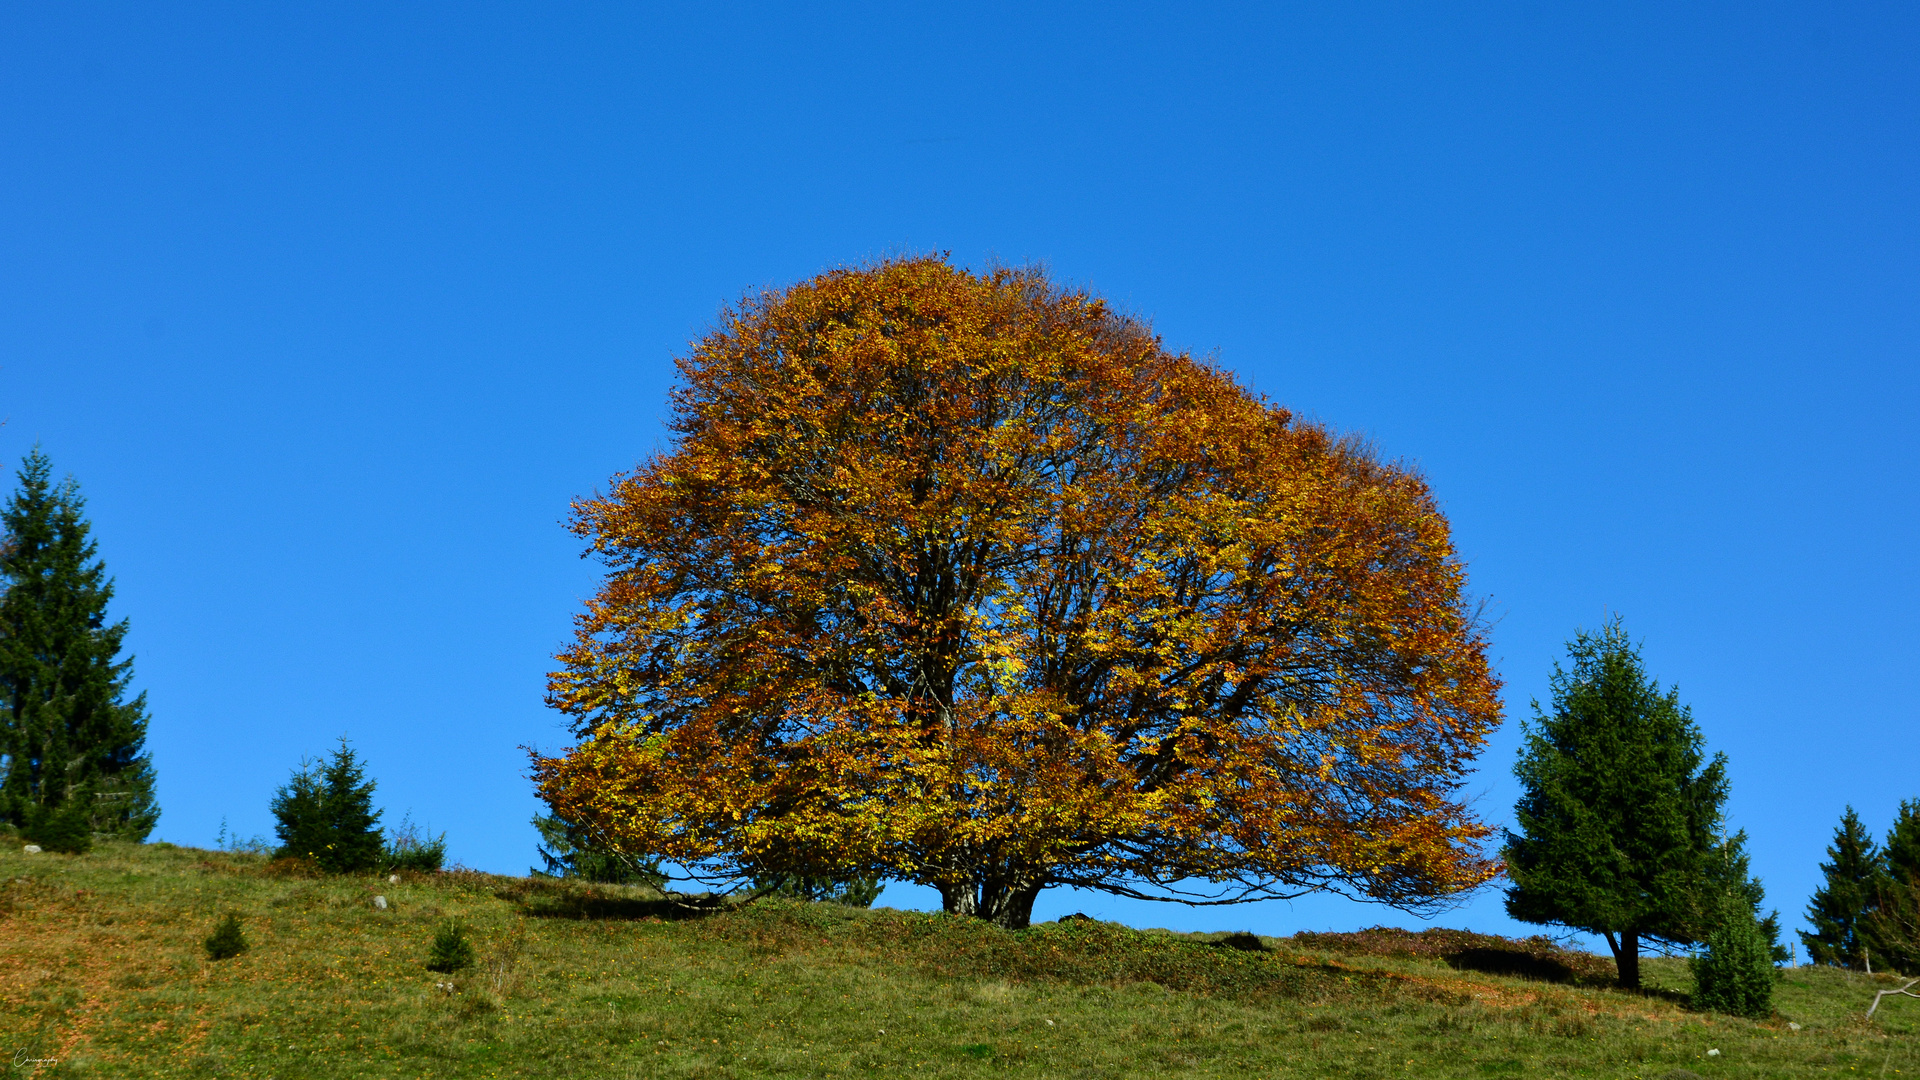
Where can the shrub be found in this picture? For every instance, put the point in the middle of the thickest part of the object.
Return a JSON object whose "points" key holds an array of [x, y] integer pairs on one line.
{"points": [[1736, 974], [227, 939], [413, 848], [451, 950], [234, 843], [64, 829], [859, 892], [569, 852], [325, 813]]}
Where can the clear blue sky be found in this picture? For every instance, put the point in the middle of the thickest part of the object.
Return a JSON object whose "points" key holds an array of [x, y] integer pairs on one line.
{"points": [[333, 309]]}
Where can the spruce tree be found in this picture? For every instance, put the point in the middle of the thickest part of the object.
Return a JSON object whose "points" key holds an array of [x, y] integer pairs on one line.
{"points": [[1620, 823], [1893, 928], [325, 813], [1735, 975], [571, 852], [1839, 908], [73, 740]]}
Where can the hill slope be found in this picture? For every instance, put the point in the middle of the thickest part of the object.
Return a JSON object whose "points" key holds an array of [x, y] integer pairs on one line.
{"points": [[102, 972]]}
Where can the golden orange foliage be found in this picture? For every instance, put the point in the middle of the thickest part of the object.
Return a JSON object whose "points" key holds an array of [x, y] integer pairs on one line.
{"points": [[966, 580]]}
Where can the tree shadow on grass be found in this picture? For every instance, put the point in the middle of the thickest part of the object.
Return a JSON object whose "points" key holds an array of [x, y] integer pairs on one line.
{"points": [[1537, 958], [1511, 962], [554, 898]]}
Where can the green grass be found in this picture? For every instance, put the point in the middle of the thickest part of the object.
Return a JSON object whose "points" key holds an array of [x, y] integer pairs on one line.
{"points": [[102, 971]]}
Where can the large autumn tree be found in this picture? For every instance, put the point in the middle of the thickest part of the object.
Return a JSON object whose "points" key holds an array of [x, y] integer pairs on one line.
{"points": [[965, 579]]}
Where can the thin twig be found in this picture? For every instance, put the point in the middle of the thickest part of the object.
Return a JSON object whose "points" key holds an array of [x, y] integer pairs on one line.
{"points": [[1884, 993]]}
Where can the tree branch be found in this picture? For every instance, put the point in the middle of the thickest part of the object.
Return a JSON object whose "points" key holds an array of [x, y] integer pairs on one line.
{"points": [[1884, 993]]}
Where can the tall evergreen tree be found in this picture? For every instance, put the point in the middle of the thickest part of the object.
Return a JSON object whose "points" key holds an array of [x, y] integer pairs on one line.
{"points": [[1620, 824], [1893, 928], [74, 741], [1839, 908]]}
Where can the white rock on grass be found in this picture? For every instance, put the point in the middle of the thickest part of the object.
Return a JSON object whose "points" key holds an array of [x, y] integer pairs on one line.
{"points": [[380, 902], [31, 849]]}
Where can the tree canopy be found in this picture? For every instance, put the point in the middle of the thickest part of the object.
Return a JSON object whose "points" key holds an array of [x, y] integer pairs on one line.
{"points": [[1621, 821], [72, 736], [965, 579]]}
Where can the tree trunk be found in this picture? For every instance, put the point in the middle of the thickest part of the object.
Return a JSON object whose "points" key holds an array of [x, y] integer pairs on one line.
{"points": [[1626, 957], [1000, 903], [959, 899], [1010, 906]]}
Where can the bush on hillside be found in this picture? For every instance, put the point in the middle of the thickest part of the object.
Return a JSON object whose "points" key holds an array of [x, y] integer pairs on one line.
{"points": [[1536, 957], [64, 828], [325, 813], [413, 848], [451, 951], [858, 892], [570, 852], [1735, 976], [227, 939]]}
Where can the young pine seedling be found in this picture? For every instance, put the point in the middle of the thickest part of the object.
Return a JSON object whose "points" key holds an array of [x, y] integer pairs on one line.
{"points": [[451, 950], [227, 939]]}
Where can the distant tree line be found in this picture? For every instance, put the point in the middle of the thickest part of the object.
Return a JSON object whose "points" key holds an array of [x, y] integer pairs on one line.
{"points": [[1866, 913]]}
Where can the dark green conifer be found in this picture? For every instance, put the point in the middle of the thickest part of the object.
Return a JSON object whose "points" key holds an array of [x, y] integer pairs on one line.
{"points": [[1735, 879], [451, 951], [859, 890], [227, 939], [325, 813], [1839, 909], [569, 852], [73, 740], [1735, 975], [1892, 933], [1620, 824]]}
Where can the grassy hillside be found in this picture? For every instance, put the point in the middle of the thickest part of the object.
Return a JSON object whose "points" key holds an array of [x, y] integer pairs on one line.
{"points": [[102, 974]]}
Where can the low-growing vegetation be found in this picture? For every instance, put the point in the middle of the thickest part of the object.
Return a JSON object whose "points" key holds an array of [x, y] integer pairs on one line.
{"points": [[104, 972]]}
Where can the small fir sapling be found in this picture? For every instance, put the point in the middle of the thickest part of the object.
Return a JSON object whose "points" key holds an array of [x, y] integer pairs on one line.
{"points": [[451, 950], [227, 939], [234, 843], [1736, 974]]}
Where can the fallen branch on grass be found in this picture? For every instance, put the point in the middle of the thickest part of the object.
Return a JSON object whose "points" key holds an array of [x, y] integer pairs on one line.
{"points": [[1884, 993]]}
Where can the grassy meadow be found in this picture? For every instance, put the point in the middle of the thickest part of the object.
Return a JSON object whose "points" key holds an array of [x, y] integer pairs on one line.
{"points": [[102, 973]]}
